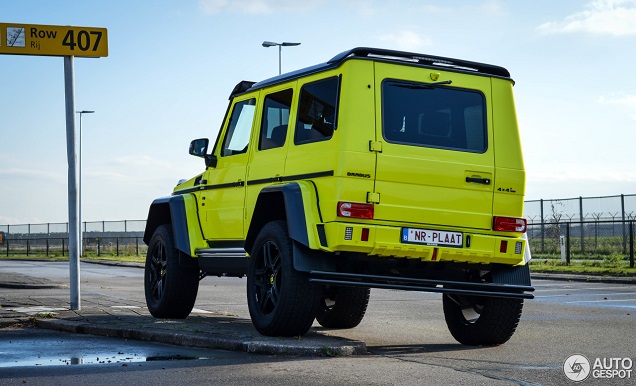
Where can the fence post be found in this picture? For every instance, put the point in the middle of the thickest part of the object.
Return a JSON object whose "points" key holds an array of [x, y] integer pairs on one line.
{"points": [[117, 246], [98, 250], [567, 247], [47, 247], [27, 247], [137, 246], [623, 216], [582, 226], [62, 247], [542, 228], [631, 244]]}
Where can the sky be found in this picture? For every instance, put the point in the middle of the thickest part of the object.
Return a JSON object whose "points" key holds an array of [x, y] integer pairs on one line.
{"points": [[172, 65]]}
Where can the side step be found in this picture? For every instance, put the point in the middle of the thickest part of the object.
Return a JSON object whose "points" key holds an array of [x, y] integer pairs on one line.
{"points": [[424, 285], [223, 261]]}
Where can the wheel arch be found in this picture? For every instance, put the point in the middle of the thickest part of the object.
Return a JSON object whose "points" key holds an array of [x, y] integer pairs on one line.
{"points": [[180, 212], [296, 203]]}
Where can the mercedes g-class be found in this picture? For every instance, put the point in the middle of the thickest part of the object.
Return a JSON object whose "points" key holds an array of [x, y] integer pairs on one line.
{"points": [[376, 169]]}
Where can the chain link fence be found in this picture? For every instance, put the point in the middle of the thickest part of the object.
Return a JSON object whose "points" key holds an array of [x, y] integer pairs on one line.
{"points": [[100, 238], [592, 227]]}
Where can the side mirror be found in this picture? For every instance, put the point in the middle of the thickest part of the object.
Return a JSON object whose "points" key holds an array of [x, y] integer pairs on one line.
{"points": [[199, 147]]}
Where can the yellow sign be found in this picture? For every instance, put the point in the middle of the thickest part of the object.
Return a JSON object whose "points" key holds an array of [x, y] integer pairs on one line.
{"points": [[53, 40]]}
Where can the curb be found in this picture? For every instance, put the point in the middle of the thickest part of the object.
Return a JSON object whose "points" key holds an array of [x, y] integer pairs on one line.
{"points": [[31, 285], [584, 278], [297, 347]]}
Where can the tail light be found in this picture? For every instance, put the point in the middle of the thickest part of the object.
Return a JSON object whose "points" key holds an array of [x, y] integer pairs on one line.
{"points": [[509, 224], [355, 210]]}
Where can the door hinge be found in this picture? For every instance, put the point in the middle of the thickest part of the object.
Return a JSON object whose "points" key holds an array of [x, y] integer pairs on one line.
{"points": [[375, 146], [373, 198]]}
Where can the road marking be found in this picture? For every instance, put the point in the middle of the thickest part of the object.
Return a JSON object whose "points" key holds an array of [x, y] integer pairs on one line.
{"points": [[581, 289], [35, 310], [200, 311], [586, 294], [604, 300]]}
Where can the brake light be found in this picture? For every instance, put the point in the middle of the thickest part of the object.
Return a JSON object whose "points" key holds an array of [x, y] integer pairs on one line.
{"points": [[355, 210], [509, 224]]}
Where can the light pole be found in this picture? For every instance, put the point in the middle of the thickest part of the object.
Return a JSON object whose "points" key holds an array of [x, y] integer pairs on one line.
{"points": [[81, 239], [280, 48]]}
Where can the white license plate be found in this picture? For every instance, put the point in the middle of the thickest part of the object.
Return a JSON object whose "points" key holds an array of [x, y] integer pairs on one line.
{"points": [[432, 237]]}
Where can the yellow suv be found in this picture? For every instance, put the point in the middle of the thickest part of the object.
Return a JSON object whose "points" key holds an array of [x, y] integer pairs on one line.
{"points": [[376, 169]]}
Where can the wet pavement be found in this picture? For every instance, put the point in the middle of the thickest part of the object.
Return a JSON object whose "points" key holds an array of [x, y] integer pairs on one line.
{"points": [[33, 301], [55, 348]]}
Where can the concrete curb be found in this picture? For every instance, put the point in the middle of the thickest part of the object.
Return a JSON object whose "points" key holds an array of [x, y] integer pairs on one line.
{"points": [[584, 278], [271, 346]]}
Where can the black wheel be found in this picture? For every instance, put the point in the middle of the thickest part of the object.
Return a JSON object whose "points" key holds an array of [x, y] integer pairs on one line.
{"points": [[343, 307], [171, 288], [481, 321], [281, 300]]}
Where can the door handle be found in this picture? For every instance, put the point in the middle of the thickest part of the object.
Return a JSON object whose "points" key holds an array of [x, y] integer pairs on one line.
{"points": [[477, 180]]}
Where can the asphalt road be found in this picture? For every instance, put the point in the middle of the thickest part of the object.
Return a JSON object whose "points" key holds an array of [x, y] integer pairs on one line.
{"points": [[404, 331]]}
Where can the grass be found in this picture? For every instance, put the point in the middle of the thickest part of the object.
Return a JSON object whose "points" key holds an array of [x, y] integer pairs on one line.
{"points": [[601, 267], [120, 258], [611, 265]]}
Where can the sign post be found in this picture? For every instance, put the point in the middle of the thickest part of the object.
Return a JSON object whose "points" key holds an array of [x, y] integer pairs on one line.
{"points": [[66, 41]]}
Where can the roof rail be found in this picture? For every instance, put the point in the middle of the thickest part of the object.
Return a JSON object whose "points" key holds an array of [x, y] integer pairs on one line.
{"points": [[423, 59]]}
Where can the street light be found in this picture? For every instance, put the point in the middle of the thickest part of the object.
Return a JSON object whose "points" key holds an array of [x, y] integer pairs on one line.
{"points": [[280, 47], [81, 239]]}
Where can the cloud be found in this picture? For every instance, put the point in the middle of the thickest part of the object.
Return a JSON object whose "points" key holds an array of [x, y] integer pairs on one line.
{"points": [[620, 99], [33, 173], [257, 7], [406, 40], [604, 17]]}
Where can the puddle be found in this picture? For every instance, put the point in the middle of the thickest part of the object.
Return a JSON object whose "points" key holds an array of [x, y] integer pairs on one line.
{"points": [[93, 359], [33, 347]]}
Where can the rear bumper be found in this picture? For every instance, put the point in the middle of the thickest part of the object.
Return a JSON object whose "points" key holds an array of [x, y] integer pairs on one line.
{"points": [[425, 285], [386, 241]]}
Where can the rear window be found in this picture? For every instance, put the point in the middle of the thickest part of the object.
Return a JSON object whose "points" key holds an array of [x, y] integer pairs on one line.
{"points": [[434, 116]]}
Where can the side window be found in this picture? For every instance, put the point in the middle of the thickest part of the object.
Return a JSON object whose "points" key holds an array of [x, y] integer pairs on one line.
{"points": [[238, 133], [275, 119], [317, 111]]}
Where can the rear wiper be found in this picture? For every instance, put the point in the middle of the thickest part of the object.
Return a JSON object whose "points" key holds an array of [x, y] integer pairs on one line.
{"points": [[423, 86]]}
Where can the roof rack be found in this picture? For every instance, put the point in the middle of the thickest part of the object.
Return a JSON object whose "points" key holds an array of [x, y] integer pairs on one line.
{"points": [[383, 55], [428, 60]]}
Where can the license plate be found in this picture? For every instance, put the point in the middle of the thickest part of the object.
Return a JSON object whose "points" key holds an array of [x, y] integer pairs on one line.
{"points": [[432, 237]]}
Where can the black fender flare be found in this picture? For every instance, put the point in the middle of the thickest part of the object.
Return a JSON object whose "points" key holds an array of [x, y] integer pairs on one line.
{"points": [[285, 202], [280, 202], [169, 210]]}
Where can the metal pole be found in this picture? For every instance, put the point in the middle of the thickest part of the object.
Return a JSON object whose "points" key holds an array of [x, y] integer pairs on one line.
{"points": [[567, 249], [73, 174], [542, 228], [631, 244], [280, 49], [623, 217], [582, 225], [79, 193]]}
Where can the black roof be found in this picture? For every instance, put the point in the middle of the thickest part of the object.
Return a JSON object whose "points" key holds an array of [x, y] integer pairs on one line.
{"points": [[378, 54]]}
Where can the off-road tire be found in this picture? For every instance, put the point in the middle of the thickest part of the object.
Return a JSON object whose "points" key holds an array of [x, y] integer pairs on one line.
{"points": [[281, 300], [496, 319], [171, 288], [343, 307]]}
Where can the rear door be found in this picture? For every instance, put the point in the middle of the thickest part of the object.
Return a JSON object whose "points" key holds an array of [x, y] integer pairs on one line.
{"points": [[436, 163]]}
